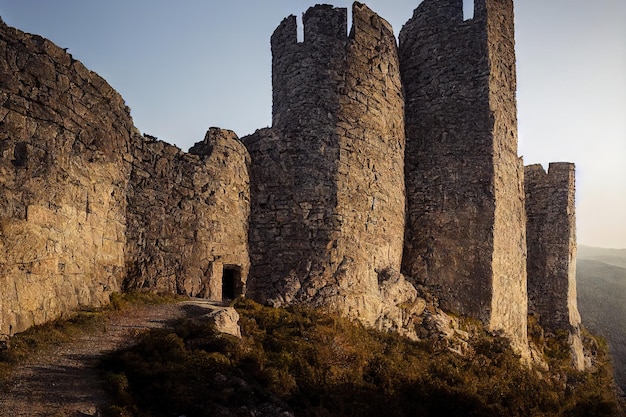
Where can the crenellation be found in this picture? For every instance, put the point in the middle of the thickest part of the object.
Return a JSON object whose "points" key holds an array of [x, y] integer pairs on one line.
{"points": [[285, 34], [324, 23], [436, 13]]}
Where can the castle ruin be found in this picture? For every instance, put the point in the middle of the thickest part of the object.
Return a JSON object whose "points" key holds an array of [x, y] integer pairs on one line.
{"points": [[386, 169], [328, 203]]}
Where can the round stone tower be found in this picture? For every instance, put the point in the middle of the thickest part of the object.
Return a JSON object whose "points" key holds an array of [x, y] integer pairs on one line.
{"points": [[328, 177]]}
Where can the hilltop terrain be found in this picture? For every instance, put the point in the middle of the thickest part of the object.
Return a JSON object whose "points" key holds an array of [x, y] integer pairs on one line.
{"points": [[601, 280], [292, 362]]}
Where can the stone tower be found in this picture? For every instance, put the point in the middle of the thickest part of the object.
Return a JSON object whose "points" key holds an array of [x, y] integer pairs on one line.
{"points": [[328, 203], [465, 235], [551, 232]]}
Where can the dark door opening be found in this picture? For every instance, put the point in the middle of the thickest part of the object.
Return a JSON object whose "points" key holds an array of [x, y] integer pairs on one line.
{"points": [[230, 280]]}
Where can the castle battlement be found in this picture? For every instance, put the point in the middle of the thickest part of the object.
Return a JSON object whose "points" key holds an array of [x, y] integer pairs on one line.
{"points": [[380, 159]]}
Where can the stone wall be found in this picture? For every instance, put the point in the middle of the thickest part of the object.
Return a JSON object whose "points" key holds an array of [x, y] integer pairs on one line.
{"points": [[551, 231], [465, 234], [328, 190], [64, 146], [188, 216], [88, 206]]}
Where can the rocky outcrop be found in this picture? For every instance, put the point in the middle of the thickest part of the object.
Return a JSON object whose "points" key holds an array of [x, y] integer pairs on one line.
{"points": [[64, 167]]}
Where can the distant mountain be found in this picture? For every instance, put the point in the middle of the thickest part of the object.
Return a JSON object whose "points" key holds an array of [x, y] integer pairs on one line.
{"points": [[601, 282], [615, 257]]}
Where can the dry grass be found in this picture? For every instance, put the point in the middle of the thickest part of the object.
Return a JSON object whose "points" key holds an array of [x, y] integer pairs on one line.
{"points": [[37, 339], [320, 365]]}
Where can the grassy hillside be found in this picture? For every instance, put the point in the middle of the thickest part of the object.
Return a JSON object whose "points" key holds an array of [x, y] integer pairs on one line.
{"points": [[299, 362], [601, 281]]}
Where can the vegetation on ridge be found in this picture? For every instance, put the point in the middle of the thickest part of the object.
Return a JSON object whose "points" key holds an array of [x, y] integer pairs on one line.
{"points": [[314, 364]]}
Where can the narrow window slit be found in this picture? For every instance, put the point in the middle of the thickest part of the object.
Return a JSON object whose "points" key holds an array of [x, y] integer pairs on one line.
{"points": [[468, 9]]}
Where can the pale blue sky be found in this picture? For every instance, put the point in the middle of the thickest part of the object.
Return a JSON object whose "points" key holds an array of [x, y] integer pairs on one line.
{"points": [[187, 65]]}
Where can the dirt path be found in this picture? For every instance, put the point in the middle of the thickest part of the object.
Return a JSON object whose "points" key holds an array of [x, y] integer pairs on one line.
{"points": [[64, 381]]}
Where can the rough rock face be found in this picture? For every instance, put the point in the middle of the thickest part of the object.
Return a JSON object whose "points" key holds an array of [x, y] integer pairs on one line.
{"points": [[551, 231], [465, 235], [188, 216], [328, 191], [64, 146], [226, 320]]}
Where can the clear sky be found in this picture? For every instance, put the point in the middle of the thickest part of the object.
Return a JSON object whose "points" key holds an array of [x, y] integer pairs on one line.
{"points": [[188, 65]]}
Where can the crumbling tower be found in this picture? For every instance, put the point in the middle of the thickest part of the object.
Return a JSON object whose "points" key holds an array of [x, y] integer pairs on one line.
{"points": [[327, 181], [465, 234], [551, 232]]}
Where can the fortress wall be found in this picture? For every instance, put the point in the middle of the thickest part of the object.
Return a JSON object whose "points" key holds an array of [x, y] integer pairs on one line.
{"points": [[465, 214], [188, 216], [551, 230], [88, 206], [64, 166], [509, 304]]}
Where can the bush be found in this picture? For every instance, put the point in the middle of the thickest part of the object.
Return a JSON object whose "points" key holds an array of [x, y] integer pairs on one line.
{"points": [[321, 365]]}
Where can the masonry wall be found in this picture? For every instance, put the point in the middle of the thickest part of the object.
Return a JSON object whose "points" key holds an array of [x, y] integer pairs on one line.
{"points": [[64, 145], [465, 214], [188, 216], [328, 191], [88, 206], [295, 165], [370, 180], [551, 231]]}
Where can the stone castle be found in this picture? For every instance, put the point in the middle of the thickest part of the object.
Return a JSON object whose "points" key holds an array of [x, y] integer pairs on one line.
{"points": [[389, 169]]}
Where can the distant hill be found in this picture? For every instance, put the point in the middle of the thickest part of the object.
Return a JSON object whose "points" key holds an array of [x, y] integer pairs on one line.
{"points": [[615, 257], [601, 282]]}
